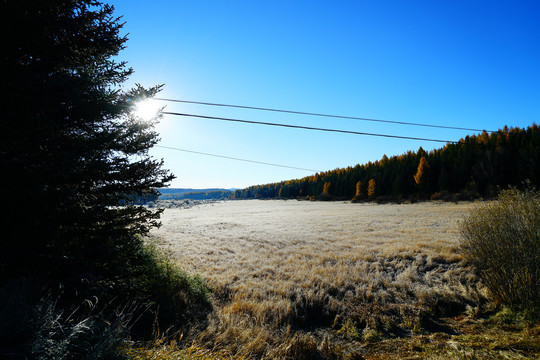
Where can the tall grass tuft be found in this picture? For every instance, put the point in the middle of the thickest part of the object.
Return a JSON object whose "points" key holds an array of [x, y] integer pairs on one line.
{"points": [[49, 330], [502, 240], [86, 332]]}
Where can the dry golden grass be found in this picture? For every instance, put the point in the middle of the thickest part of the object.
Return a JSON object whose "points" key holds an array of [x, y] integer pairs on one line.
{"points": [[297, 279]]}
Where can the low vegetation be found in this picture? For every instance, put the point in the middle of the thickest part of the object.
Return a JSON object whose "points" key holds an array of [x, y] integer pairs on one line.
{"points": [[44, 317]]}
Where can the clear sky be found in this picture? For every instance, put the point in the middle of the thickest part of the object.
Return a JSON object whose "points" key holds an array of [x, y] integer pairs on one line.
{"points": [[473, 64]]}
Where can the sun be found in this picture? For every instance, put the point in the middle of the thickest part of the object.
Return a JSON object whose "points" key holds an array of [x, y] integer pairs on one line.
{"points": [[147, 110]]}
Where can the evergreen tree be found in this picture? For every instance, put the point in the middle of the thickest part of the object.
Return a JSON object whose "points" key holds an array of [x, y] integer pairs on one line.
{"points": [[71, 149]]}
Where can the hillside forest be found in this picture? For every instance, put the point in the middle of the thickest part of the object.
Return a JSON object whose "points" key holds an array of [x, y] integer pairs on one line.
{"points": [[475, 166]]}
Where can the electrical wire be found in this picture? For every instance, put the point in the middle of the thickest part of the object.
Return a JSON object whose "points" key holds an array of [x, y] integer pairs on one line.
{"points": [[304, 127], [234, 158], [321, 115]]}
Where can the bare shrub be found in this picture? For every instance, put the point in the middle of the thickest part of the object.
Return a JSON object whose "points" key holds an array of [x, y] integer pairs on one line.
{"points": [[502, 240]]}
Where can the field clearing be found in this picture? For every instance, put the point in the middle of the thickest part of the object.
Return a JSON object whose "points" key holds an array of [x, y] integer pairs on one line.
{"points": [[222, 237], [298, 279]]}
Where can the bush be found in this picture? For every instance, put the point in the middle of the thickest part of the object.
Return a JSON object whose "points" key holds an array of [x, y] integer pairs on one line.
{"points": [[502, 240], [169, 297], [157, 277]]}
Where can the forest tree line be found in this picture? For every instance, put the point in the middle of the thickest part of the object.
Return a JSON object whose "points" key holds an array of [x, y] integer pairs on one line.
{"points": [[476, 166]]}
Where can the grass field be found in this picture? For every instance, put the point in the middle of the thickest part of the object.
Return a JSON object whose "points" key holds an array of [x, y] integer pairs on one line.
{"points": [[308, 280]]}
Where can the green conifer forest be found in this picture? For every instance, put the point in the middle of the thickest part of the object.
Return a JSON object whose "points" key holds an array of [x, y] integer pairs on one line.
{"points": [[476, 166]]}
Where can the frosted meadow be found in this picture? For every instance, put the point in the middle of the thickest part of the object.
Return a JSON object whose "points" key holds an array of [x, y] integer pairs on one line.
{"points": [[324, 275]]}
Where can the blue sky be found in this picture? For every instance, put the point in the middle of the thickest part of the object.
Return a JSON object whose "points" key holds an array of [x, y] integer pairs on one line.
{"points": [[473, 64]]}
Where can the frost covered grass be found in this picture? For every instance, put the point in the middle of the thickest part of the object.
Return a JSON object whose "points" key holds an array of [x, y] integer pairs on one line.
{"points": [[298, 279]]}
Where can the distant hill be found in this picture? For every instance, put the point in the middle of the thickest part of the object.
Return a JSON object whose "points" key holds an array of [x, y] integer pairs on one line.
{"points": [[195, 194]]}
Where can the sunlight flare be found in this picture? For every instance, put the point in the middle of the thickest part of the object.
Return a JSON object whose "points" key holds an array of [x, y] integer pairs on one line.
{"points": [[147, 109]]}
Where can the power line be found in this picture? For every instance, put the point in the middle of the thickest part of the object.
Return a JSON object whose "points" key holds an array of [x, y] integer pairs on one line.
{"points": [[321, 115], [234, 158], [304, 127]]}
